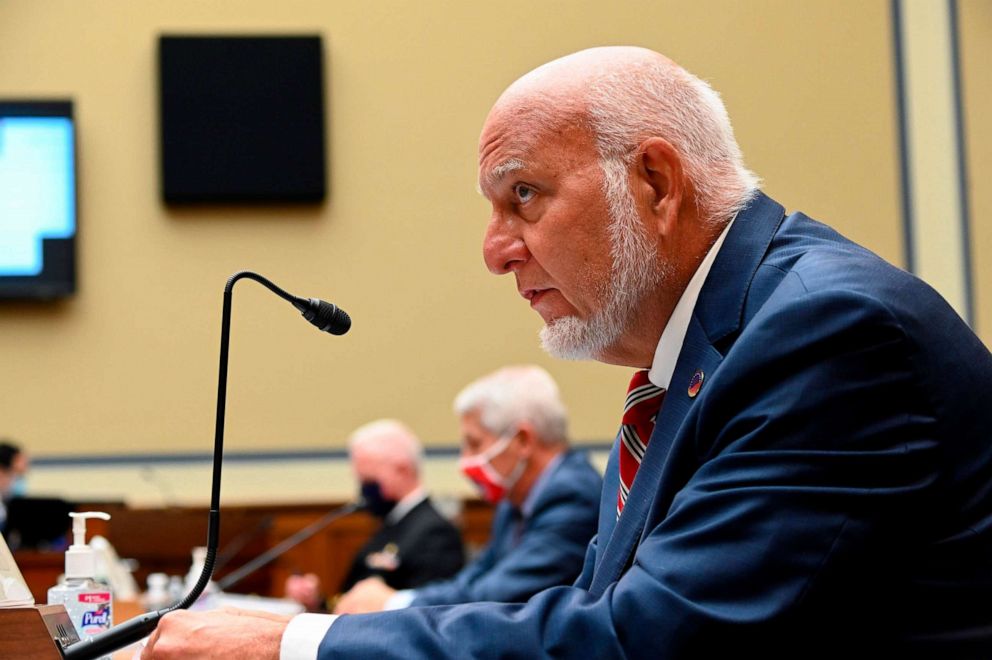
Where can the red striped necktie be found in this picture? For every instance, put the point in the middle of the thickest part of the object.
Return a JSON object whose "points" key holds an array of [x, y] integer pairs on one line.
{"points": [[639, 412]]}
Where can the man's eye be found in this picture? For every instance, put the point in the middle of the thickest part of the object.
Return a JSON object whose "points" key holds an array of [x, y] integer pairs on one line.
{"points": [[523, 192]]}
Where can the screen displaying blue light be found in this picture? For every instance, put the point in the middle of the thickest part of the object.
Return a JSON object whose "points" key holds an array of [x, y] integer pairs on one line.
{"points": [[37, 190]]}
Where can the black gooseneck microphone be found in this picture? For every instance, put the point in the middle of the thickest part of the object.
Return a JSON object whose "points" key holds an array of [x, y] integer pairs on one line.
{"points": [[325, 316]]}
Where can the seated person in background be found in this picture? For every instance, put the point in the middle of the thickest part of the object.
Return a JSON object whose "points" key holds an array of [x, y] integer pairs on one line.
{"points": [[515, 448], [13, 468], [415, 544]]}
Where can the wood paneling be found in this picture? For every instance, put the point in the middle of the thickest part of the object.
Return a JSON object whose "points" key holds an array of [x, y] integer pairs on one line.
{"points": [[161, 540]]}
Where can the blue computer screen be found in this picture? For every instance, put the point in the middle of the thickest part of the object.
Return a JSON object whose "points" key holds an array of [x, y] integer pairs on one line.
{"points": [[37, 199]]}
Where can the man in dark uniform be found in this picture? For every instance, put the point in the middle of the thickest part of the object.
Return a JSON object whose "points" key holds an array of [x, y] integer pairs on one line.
{"points": [[415, 544]]}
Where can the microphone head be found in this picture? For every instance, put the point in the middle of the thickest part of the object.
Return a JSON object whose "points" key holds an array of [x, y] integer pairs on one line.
{"points": [[326, 316]]}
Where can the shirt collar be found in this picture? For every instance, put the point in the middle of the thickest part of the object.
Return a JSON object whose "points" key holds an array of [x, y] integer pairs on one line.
{"points": [[405, 505], [673, 336]]}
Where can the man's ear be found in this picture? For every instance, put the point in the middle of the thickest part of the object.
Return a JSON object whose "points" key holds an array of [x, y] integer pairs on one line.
{"points": [[527, 437], [662, 184]]}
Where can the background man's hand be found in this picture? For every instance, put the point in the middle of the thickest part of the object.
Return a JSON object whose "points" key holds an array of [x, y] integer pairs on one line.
{"points": [[226, 633], [369, 595], [305, 590]]}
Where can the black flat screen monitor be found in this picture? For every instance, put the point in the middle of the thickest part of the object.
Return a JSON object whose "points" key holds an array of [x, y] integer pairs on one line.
{"points": [[37, 199], [242, 118]]}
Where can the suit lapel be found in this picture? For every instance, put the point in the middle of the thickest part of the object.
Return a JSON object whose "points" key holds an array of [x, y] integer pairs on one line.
{"points": [[718, 314], [648, 492], [697, 355]]}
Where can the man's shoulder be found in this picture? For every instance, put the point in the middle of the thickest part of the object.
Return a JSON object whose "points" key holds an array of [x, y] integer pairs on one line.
{"points": [[825, 259], [575, 480], [576, 467], [811, 266], [823, 309], [425, 517]]}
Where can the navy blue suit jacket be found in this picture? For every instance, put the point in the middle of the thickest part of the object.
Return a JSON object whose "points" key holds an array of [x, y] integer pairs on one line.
{"points": [[541, 550], [828, 491]]}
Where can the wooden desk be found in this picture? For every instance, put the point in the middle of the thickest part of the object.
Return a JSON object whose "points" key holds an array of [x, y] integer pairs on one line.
{"points": [[23, 634], [161, 539], [123, 611]]}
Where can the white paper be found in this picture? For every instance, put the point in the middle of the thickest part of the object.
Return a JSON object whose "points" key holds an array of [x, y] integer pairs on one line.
{"points": [[14, 590]]}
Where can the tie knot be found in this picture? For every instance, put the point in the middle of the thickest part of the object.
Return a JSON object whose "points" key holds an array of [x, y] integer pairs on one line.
{"points": [[639, 379], [643, 399]]}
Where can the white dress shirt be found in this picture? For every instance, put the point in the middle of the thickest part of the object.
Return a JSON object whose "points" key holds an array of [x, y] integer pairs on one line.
{"points": [[673, 336]]}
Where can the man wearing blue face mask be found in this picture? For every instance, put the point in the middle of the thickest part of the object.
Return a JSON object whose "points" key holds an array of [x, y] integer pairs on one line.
{"points": [[13, 471], [515, 450], [415, 544]]}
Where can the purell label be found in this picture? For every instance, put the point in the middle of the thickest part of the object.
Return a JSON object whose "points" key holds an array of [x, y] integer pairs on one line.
{"points": [[95, 598], [99, 617], [94, 616]]}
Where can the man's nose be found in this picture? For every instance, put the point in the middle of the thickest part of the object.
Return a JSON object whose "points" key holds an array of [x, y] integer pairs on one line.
{"points": [[504, 250]]}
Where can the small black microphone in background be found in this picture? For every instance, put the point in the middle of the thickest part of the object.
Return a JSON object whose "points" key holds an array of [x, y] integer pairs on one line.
{"points": [[241, 541], [288, 544], [325, 316]]}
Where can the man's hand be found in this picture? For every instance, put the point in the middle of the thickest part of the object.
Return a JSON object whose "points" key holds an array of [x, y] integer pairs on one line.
{"points": [[369, 595], [226, 633], [305, 590]]}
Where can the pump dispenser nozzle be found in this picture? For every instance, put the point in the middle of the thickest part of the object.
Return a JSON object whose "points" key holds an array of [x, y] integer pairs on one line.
{"points": [[80, 560]]}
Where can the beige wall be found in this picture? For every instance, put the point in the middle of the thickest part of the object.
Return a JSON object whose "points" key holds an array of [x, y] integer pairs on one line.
{"points": [[975, 20], [129, 364]]}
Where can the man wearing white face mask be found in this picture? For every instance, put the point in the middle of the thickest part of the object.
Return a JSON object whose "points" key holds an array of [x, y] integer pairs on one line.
{"points": [[515, 449]]}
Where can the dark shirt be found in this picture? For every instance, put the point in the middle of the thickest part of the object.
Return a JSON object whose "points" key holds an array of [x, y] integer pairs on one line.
{"points": [[420, 547]]}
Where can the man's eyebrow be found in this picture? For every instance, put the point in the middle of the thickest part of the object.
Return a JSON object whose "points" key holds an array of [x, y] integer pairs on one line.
{"points": [[497, 173]]}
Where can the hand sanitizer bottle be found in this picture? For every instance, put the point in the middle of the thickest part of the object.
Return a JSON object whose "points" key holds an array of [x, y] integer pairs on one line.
{"points": [[157, 596], [87, 601]]}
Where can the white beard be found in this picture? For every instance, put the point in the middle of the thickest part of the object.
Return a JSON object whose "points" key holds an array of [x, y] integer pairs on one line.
{"points": [[634, 273], [571, 338]]}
